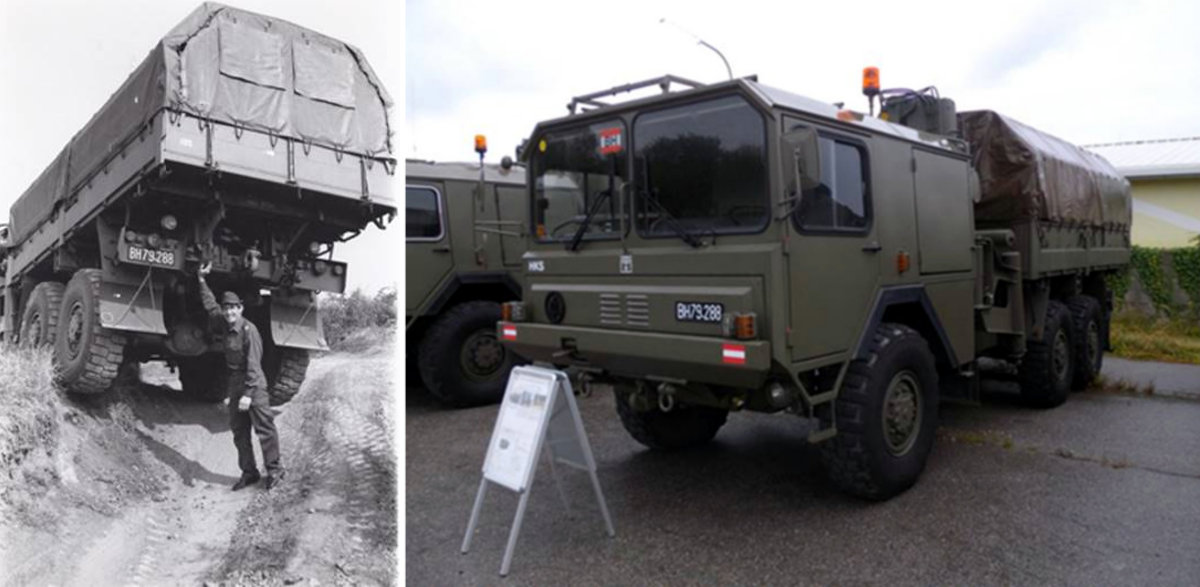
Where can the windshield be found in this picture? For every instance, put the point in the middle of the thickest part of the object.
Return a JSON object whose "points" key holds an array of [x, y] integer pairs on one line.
{"points": [[701, 169], [579, 177]]}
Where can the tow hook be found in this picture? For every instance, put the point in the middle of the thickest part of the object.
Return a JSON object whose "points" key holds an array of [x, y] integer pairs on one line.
{"points": [[666, 397]]}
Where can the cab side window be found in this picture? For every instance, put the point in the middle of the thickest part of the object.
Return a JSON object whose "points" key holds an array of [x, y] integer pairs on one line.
{"points": [[840, 202], [422, 214]]}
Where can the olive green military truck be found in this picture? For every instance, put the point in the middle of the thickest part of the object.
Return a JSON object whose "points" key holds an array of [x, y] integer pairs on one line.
{"points": [[464, 232], [738, 247], [241, 139]]}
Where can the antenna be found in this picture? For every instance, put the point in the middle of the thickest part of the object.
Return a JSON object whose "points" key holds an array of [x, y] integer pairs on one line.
{"points": [[700, 41]]}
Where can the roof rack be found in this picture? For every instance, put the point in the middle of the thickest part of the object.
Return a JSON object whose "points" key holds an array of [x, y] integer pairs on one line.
{"points": [[663, 82]]}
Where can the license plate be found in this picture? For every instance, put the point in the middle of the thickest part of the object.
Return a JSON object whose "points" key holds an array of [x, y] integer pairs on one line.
{"points": [[151, 257], [699, 312]]}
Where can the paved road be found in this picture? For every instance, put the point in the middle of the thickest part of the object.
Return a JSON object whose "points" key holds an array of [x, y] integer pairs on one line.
{"points": [[1104, 490], [1171, 379]]}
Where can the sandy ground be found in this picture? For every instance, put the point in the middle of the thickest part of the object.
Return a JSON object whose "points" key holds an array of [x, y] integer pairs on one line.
{"points": [[139, 493]]}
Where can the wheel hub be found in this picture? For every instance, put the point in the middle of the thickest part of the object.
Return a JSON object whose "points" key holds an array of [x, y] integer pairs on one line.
{"points": [[1093, 343], [75, 330], [1061, 359], [34, 332], [902, 413], [482, 354]]}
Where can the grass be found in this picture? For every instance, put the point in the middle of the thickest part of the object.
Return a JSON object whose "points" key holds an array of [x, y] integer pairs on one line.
{"points": [[1175, 340], [28, 420]]}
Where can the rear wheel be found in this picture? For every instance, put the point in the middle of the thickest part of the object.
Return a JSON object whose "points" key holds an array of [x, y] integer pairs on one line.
{"points": [[1048, 368], [39, 323], [87, 354], [886, 415], [461, 361], [285, 377], [684, 426], [1088, 321]]}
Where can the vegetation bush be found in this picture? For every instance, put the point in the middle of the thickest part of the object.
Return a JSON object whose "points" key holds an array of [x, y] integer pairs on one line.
{"points": [[1150, 266], [29, 422], [351, 320]]}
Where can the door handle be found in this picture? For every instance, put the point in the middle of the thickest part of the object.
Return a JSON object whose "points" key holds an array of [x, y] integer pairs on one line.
{"points": [[872, 247], [441, 249]]}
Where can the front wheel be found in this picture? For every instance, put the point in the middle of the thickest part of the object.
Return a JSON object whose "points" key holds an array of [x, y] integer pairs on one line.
{"points": [[88, 355], [462, 363], [886, 415]]}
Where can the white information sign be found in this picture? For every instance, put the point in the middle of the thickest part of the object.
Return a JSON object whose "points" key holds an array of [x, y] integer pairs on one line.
{"points": [[538, 416], [523, 416]]}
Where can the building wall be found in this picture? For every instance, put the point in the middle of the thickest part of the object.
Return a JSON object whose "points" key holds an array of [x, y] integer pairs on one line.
{"points": [[1166, 212]]}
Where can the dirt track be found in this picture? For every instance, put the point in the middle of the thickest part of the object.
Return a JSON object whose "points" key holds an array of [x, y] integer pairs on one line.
{"points": [[139, 493]]}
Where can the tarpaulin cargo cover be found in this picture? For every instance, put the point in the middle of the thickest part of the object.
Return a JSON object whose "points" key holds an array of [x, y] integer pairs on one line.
{"points": [[233, 67], [1026, 174]]}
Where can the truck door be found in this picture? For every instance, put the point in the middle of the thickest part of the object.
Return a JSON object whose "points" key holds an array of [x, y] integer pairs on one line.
{"points": [[833, 258], [427, 243]]}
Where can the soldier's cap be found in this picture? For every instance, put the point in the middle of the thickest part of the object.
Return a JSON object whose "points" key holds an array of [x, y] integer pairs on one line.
{"points": [[230, 299]]}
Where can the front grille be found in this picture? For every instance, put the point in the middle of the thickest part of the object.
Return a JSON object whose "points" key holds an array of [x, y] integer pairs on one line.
{"points": [[625, 310]]}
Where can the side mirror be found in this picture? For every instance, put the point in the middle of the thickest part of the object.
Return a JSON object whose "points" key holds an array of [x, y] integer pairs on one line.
{"points": [[802, 159], [506, 163]]}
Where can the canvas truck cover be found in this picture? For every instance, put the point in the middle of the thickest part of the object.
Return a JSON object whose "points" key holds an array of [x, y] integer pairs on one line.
{"points": [[1025, 174], [234, 67]]}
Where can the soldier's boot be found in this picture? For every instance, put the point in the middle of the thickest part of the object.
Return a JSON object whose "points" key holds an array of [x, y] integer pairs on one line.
{"points": [[247, 480], [275, 479]]}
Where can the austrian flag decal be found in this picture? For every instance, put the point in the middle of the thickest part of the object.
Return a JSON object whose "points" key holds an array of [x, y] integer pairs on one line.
{"points": [[510, 332], [734, 354], [610, 141]]}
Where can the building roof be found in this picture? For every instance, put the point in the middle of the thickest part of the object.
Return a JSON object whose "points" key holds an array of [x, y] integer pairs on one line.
{"points": [[1153, 159]]}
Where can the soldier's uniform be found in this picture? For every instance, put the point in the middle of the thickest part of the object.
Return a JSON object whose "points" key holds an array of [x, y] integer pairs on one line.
{"points": [[243, 363]]}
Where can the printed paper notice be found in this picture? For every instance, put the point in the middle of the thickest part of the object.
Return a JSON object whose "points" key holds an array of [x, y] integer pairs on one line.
{"points": [[523, 414]]}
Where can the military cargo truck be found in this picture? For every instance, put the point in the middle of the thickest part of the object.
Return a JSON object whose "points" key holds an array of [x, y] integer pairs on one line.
{"points": [[241, 139], [738, 247], [464, 231]]}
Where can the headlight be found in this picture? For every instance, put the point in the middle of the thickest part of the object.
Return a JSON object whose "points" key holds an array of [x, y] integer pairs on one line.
{"points": [[169, 222], [314, 247]]}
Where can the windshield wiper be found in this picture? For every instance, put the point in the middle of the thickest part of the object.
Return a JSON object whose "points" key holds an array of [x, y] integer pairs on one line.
{"points": [[672, 222], [587, 219]]}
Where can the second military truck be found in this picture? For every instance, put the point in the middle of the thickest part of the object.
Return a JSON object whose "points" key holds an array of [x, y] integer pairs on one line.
{"points": [[241, 140], [738, 247], [463, 244]]}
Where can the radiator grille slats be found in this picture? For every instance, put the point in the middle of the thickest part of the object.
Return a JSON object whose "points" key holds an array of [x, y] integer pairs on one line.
{"points": [[625, 310]]}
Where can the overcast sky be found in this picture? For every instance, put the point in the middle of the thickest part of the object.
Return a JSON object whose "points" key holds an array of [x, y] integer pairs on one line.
{"points": [[1086, 71], [61, 60]]}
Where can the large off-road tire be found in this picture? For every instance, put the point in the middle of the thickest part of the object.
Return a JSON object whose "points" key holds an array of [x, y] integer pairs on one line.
{"points": [[87, 355], [1088, 321], [284, 379], [1048, 368], [886, 416], [39, 323], [461, 362], [685, 426], [203, 378]]}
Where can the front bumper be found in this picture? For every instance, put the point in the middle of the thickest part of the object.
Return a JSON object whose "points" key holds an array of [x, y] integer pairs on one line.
{"points": [[699, 359]]}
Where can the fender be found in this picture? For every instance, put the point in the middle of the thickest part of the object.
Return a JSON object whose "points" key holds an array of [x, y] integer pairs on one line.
{"points": [[443, 296], [295, 322], [939, 343]]}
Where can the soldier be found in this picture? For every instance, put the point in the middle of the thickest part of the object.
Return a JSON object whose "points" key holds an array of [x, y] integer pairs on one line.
{"points": [[249, 405]]}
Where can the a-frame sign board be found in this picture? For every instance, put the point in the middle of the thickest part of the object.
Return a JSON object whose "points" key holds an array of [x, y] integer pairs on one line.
{"points": [[538, 413]]}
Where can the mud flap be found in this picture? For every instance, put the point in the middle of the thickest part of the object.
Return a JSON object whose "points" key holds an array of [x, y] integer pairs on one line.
{"points": [[295, 323], [132, 308]]}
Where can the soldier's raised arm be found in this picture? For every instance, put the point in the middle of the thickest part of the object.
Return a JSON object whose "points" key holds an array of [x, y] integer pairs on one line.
{"points": [[206, 295]]}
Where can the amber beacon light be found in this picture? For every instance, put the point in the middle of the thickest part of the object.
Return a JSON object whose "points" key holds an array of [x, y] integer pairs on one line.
{"points": [[480, 144], [870, 86]]}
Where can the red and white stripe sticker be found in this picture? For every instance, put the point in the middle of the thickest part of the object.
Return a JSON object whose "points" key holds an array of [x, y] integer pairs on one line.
{"points": [[734, 354], [509, 332]]}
